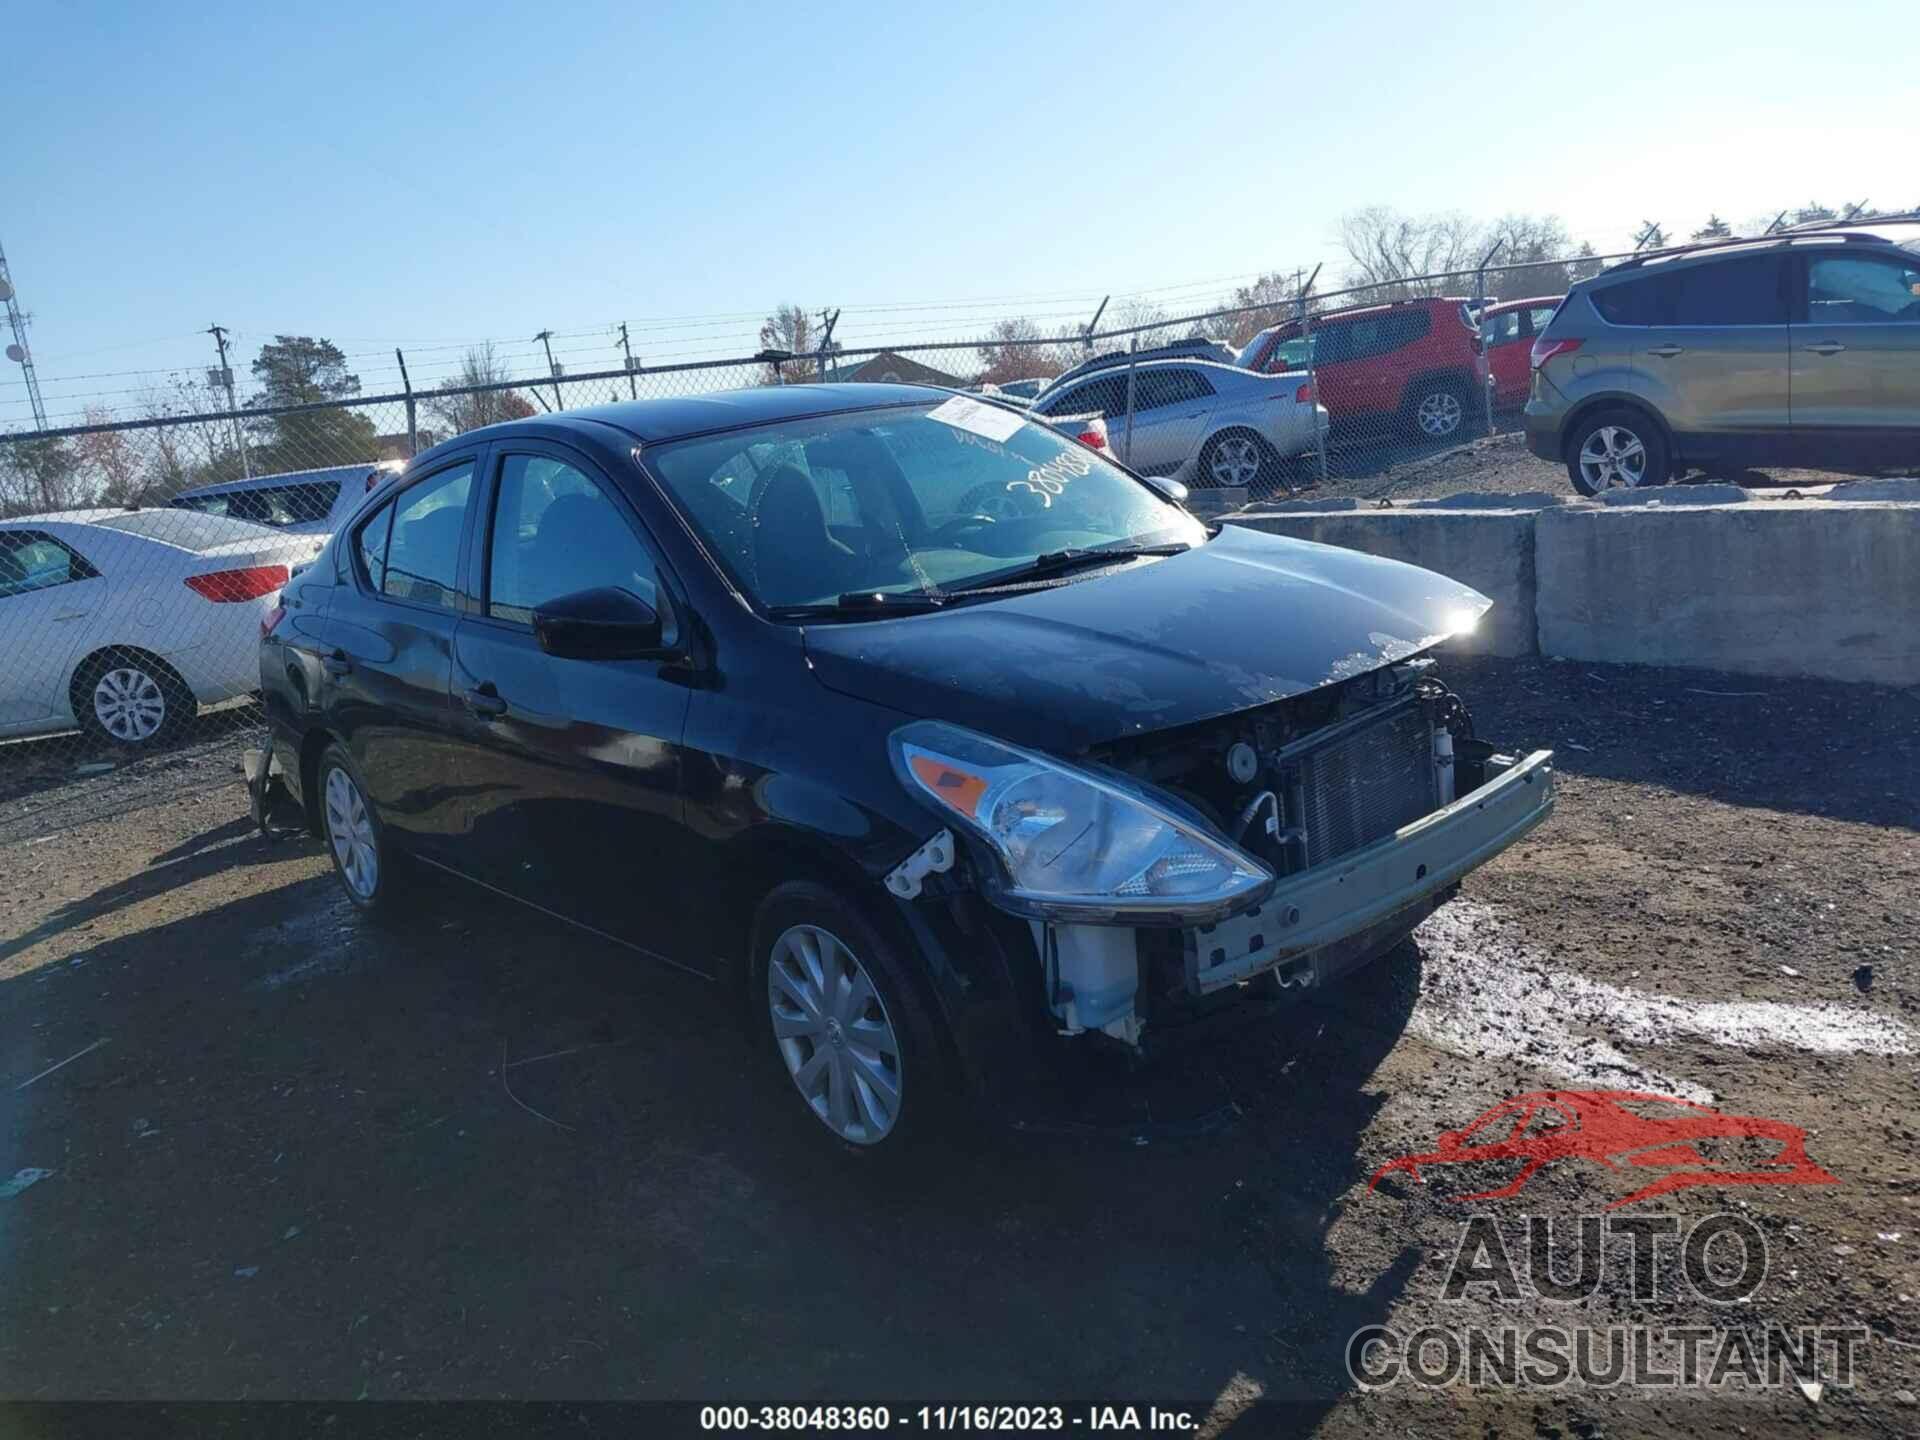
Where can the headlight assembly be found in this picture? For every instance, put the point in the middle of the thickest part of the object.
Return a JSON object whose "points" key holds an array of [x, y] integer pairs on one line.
{"points": [[1073, 845]]}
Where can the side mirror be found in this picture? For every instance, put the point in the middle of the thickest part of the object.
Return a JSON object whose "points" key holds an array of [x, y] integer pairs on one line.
{"points": [[602, 624], [1172, 489]]}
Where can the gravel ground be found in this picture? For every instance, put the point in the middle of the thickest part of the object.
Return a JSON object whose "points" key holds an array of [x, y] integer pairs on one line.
{"points": [[469, 1155]]}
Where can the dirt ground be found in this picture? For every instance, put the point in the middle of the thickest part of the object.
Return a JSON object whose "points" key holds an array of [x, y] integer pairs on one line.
{"points": [[474, 1155]]}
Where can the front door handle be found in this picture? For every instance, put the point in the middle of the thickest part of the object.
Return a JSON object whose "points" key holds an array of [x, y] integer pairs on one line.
{"points": [[66, 615], [486, 702], [1825, 347], [337, 664], [1666, 352]]}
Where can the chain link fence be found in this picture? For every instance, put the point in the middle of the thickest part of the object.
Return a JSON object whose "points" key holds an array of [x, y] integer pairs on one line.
{"points": [[138, 558]]}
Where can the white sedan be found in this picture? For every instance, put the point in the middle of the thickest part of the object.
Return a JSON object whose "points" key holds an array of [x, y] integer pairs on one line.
{"points": [[124, 622]]}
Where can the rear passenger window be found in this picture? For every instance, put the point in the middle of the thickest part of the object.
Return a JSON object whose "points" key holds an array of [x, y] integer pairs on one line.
{"points": [[423, 554], [1747, 291], [1153, 388], [1501, 329], [1744, 291]]}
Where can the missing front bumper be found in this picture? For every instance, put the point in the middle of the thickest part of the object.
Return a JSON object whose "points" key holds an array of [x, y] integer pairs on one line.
{"points": [[1345, 897]]}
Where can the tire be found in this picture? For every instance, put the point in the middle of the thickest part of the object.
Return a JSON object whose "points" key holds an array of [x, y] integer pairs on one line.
{"points": [[356, 841], [1603, 448], [811, 950], [131, 699], [1440, 410], [1237, 457]]}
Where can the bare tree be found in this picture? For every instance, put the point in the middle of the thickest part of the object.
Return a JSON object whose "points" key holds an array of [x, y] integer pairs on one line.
{"points": [[1387, 251], [111, 459], [1275, 295], [788, 328], [469, 411], [1010, 354]]}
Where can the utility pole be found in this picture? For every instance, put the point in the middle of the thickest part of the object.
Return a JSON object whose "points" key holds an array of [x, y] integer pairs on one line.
{"points": [[545, 337], [827, 322], [18, 351], [224, 377], [633, 390]]}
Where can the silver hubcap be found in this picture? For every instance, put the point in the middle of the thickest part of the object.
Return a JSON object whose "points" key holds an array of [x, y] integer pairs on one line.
{"points": [[1613, 457], [1236, 460], [350, 831], [1440, 413], [834, 1034], [129, 704]]}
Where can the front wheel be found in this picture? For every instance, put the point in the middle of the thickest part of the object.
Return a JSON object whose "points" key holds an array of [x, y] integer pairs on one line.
{"points": [[1440, 411], [1617, 449], [845, 1021]]}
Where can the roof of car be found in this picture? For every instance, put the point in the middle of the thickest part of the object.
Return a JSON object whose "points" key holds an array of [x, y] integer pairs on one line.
{"points": [[1903, 233], [1503, 306], [653, 421], [64, 517], [285, 477], [1354, 311]]}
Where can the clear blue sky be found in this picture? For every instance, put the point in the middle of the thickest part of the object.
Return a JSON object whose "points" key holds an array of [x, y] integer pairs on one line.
{"points": [[432, 173]]}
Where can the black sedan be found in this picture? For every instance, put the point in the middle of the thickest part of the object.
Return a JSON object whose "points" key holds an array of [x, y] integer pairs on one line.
{"points": [[944, 738]]}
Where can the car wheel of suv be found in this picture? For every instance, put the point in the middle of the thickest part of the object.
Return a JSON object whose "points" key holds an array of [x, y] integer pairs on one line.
{"points": [[1237, 458], [1439, 411], [131, 699], [845, 1021], [1617, 449], [355, 838]]}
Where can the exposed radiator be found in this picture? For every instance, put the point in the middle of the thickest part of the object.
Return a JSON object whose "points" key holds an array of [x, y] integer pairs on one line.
{"points": [[1364, 780]]}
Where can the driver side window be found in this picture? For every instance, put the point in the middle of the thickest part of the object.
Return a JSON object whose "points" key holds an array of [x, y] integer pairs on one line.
{"points": [[556, 532]]}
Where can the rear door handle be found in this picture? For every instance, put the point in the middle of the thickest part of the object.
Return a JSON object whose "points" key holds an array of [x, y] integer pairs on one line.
{"points": [[1666, 352], [337, 664], [71, 615], [486, 702], [1825, 347]]}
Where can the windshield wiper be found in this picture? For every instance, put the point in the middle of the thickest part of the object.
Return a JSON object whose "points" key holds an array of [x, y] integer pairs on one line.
{"points": [[1059, 562], [858, 603]]}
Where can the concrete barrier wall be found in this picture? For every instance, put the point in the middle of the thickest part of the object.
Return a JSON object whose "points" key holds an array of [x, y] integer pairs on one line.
{"points": [[1491, 550], [1787, 587], [1705, 576]]}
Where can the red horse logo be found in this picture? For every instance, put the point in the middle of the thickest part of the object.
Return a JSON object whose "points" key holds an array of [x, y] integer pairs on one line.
{"points": [[1659, 1132]]}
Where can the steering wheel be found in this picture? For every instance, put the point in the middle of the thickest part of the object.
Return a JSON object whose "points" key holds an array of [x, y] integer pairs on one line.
{"points": [[959, 524], [996, 501]]}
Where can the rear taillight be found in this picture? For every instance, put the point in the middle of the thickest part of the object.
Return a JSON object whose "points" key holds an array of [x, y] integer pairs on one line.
{"points": [[272, 618], [1093, 439], [1545, 349], [1304, 394], [226, 586]]}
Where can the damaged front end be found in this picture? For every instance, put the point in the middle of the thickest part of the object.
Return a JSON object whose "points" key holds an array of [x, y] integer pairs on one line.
{"points": [[1168, 875]]}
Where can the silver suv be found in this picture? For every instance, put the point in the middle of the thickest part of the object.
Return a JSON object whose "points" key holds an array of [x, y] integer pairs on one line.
{"points": [[1800, 349]]}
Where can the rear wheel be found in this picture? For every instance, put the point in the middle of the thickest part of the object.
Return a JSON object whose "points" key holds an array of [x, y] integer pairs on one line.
{"points": [[356, 840], [1617, 449], [1439, 410], [1238, 458], [131, 699]]}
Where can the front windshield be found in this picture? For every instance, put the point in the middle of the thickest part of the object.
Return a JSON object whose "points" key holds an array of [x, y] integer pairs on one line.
{"points": [[908, 501]]}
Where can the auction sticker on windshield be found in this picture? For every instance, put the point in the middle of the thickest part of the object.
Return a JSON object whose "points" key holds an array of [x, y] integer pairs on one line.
{"points": [[976, 418]]}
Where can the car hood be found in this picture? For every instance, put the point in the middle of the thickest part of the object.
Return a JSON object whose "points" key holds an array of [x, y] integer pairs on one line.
{"points": [[1244, 620]]}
